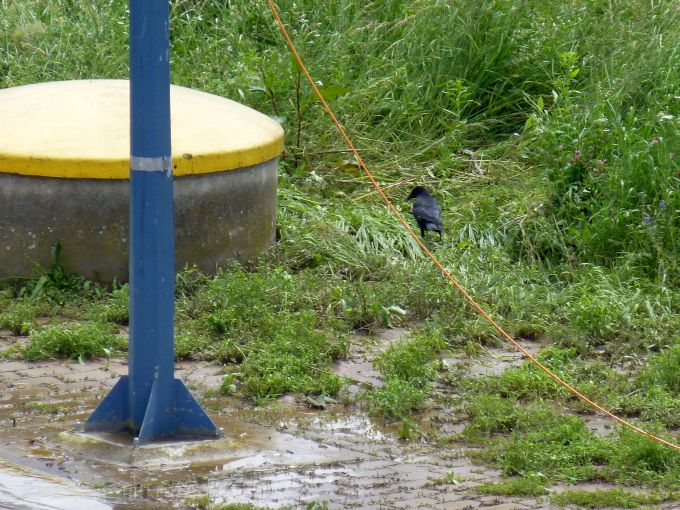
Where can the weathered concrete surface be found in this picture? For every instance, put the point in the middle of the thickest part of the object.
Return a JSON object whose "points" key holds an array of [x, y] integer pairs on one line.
{"points": [[218, 217]]}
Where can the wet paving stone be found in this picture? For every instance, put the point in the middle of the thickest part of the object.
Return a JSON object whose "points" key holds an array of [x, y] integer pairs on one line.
{"points": [[285, 455]]}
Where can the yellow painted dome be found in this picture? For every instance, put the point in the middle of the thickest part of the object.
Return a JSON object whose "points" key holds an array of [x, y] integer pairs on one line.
{"points": [[81, 129]]}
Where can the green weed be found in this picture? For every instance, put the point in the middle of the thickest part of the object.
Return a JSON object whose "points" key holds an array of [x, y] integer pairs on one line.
{"points": [[536, 439], [73, 341], [205, 503], [228, 385], [265, 321], [641, 395], [662, 370], [18, 317], [544, 442], [491, 414], [635, 457], [448, 479], [409, 372], [190, 344], [397, 399], [411, 361], [314, 505], [292, 357], [118, 305], [530, 486], [618, 498], [55, 285], [529, 381], [44, 408]]}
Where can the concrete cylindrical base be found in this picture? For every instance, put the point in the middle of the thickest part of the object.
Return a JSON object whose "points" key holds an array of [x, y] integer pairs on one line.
{"points": [[219, 217]]}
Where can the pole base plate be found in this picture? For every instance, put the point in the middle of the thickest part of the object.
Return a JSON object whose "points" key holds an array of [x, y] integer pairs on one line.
{"points": [[172, 416]]}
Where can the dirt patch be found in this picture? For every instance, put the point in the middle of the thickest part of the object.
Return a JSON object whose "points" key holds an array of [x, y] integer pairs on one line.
{"points": [[358, 367], [495, 360]]}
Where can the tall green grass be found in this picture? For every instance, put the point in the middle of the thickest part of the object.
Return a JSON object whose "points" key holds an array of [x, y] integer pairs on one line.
{"points": [[521, 86]]}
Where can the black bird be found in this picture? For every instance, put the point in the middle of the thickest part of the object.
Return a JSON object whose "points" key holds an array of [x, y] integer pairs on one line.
{"points": [[426, 210]]}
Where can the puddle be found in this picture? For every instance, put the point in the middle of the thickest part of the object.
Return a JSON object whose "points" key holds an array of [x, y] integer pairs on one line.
{"points": [[350, 425], [360, 372], [601, 425], [268, 457], [25, 489], [496, 360]]}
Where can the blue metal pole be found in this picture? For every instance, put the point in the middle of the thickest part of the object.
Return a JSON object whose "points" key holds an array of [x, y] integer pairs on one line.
{"points": [[152, 263], [150, 403]]}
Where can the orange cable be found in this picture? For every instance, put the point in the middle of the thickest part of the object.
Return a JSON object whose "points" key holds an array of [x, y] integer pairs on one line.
{"points": [[434, 259]]}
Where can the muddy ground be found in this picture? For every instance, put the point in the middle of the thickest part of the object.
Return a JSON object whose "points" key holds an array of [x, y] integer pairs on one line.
{"points": [[287, 454]]}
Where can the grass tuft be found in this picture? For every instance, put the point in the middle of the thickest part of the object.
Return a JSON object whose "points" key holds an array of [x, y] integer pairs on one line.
{"points": [[618, 498], [531, 486], [73, 341]]}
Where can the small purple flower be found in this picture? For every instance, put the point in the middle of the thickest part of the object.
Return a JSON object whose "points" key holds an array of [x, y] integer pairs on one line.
{"points": [[577, 154], [646, 220], [662, 204], [641, 195], [601, 162]]}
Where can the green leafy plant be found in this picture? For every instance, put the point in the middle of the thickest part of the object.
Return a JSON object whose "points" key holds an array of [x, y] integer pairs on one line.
{"points": [[19, 318], [603, 499], [73, 341], [409, 372], [527, 486]]}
